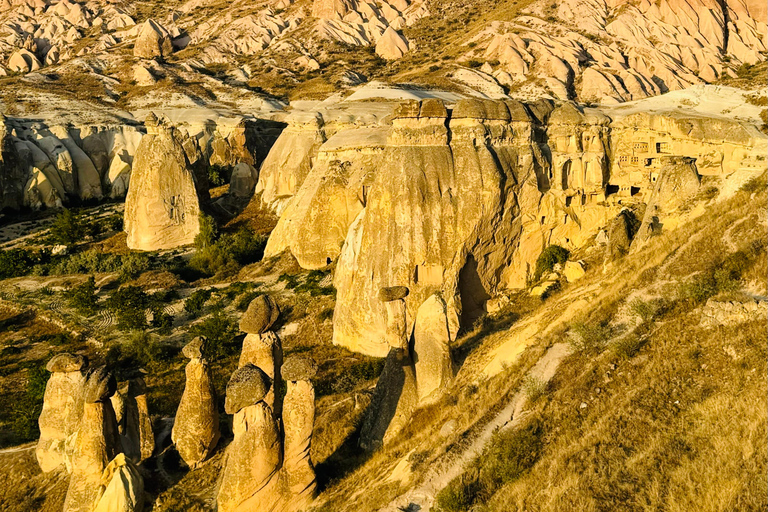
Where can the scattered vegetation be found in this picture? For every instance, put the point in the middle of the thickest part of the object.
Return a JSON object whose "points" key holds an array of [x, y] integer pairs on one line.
{"points": [[129, 304], [228, 252], [220, 331], [26, 409], [83, 297], [549, 257]]}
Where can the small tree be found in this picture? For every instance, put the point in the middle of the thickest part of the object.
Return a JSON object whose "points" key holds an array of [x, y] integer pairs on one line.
{"points": [[83, 298], [218, 329], [68, 228], [130, 304], [209, 232], [548, 258]]}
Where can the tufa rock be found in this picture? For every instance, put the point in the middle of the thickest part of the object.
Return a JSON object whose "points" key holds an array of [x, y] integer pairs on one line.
{"points": [[62, 410], [390, 293], [261, 314], [153, 41], [298, 368], [65, 362], [196, 427], [431, 350], [195, 349], [122, 487], [247, 386], [391, 45], [250, 479], [101, 385], [162, 207], [298, 422]]}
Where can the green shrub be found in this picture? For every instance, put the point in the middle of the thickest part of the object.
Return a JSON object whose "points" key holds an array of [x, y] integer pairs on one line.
{"points": [[534, 388], [589, 338], [83, 297], [548, 258], [209, 232], [627, 346], [218, 175], [161, 320], [27, 408], [129, 304], [724, 277], [219, 330], [132, 265], [141, 349], [505, 458], [18, 262], [68, 228], [228, 253], [194, 304], [648, 310]]}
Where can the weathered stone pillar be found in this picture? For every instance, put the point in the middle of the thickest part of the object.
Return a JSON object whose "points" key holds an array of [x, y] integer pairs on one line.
{"points": [[62, 409], [196, 428]]}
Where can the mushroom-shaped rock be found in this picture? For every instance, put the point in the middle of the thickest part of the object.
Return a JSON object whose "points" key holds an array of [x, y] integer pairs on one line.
{"points": [[66, 362], [391, 45], [247, 386], [250, 480], [196, 427], [62, 409], [261, 314], [431, 351], [298, 368], [298, 422], [243, 180], [153, 41], [96, 442], [122, 487]]}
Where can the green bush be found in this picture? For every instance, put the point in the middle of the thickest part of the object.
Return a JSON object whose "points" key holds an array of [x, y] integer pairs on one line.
{"points": [[627, 346], [18, 262], [132, 265], [548, 258], [141, 349], [68, 228], [505, 458], [720, 277], [129, 304], [194, 304], [27, 409], [83, 297], [219, 330], [648, 310], [209, 232], [228, 252], [589, 338]]}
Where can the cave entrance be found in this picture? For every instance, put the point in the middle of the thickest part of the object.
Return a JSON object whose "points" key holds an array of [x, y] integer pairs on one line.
{"points": [[472, 293]]}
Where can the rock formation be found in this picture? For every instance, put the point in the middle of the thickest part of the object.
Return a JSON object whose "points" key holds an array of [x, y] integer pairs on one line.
{"points": [[62, 409], [163, 205], [678, 182], [96, 442], [391, 45], [298, 421], [196, 427], [261, 314], [153, 41], [135, 424], [290, 159], [121, 488], [254, 457], [431, 349], [262, 347]]}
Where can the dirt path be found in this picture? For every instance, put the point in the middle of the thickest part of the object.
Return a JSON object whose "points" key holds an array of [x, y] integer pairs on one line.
{"points": [[422, 497]]}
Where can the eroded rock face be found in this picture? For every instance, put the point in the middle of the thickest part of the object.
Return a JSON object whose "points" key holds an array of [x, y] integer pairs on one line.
{"points": [[252, 461], [162, 208], [261, 314], [290, 160], [135, 423], [153, 41], [431, 349], [196, 427], [122, 487], [298, 421], [96, 443], [678, 182], [62, 409]]}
